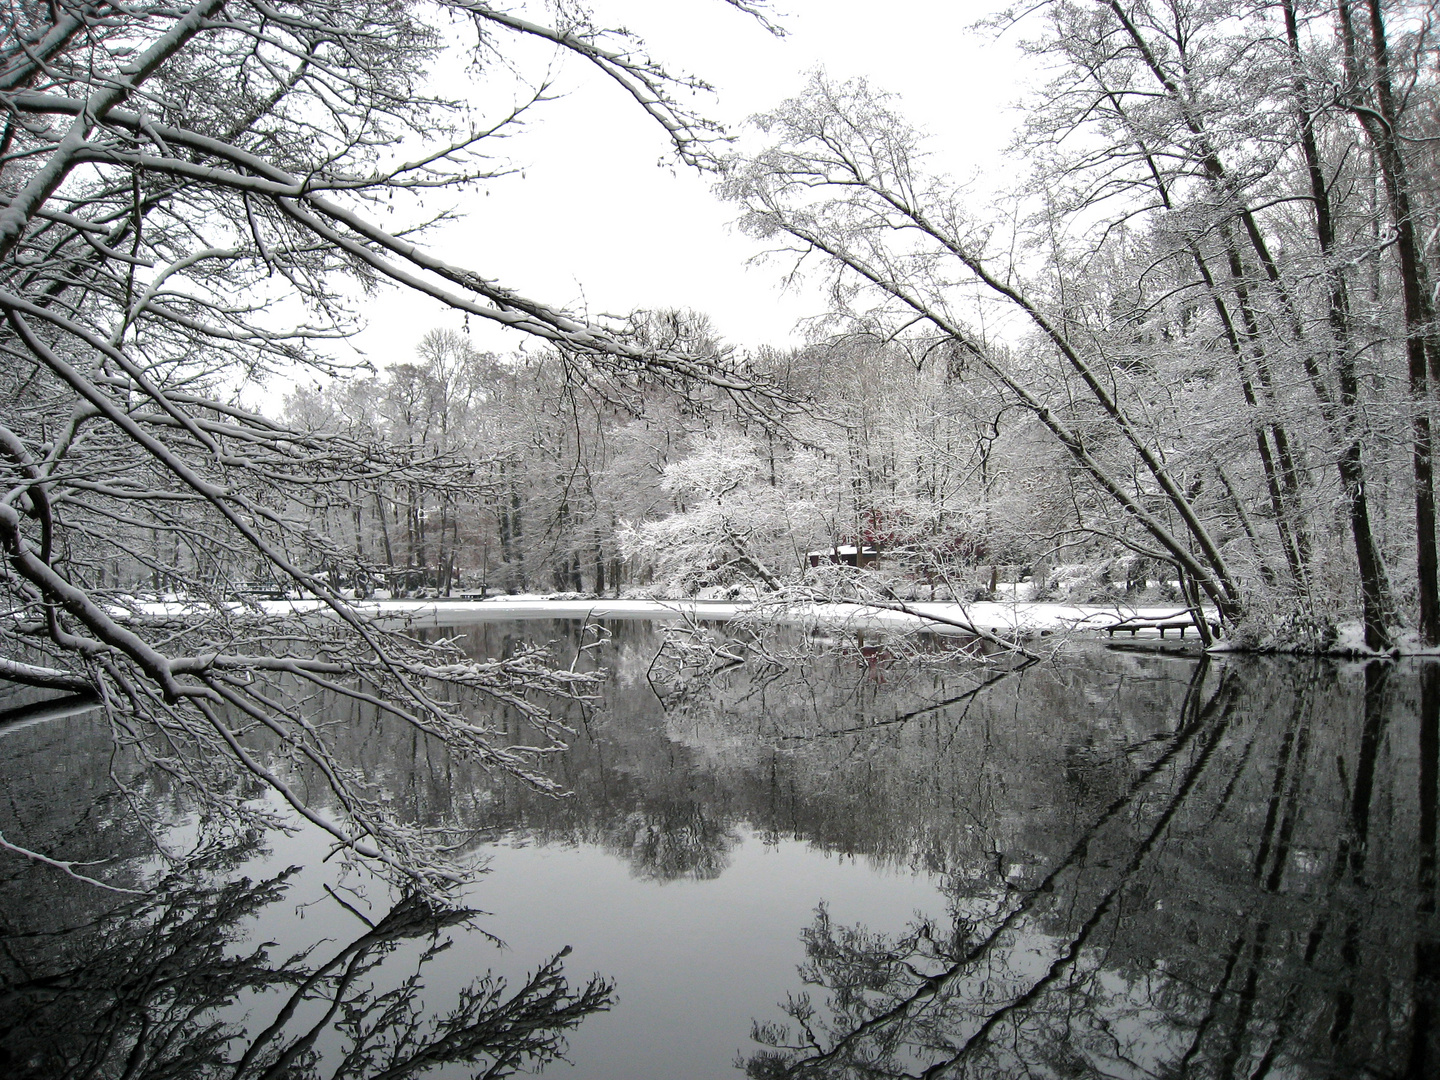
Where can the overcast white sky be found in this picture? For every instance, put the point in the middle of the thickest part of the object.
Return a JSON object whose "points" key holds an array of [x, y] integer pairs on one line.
{"points": [[603, 220]]}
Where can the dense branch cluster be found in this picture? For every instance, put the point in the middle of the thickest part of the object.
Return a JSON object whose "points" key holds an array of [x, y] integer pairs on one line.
{"points": [[1223, 271], [183, 189]]}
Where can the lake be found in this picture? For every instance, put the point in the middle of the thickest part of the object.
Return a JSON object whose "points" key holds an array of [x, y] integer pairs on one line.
{"points": [[853, 861]]}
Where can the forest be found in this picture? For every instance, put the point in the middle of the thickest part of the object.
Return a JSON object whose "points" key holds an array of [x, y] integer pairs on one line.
{"points": [[1197, 363]]}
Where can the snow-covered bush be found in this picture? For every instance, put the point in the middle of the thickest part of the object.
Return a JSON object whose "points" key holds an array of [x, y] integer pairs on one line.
{"points": [[731, 526]]}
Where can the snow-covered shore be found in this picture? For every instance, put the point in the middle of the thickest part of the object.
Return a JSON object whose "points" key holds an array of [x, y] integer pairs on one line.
{"points": [[1005, 619], [1020, 618]]}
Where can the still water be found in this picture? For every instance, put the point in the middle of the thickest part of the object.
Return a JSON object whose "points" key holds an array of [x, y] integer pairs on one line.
{"points": [[1128, 863]]}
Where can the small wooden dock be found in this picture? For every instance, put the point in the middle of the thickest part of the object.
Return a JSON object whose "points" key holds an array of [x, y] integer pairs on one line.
{"points": [[1134, 625]]}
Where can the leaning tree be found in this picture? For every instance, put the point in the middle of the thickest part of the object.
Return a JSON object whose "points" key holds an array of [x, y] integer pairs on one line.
{"points": [[1221, 255], [183, 193]]}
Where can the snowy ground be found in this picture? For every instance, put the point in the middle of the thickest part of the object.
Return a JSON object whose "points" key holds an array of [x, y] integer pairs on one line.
{"points": [[1001, 618]]}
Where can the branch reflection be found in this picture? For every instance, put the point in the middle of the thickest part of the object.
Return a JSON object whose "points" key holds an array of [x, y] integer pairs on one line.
{"points": [[171, 986], [1255, 899]]}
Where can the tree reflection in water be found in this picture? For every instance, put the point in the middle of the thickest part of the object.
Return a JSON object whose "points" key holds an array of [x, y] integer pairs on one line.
{"points": [[1257, 900], [1155, 866], [166, 987]]}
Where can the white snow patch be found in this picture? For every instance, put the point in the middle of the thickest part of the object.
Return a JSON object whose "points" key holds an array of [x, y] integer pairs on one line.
{"points": [[996, 617], [991, 617], [1408, 644], [1350, 637]]}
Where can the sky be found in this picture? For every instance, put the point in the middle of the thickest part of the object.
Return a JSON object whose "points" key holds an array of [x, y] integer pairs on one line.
{"points": [[602, 220]]}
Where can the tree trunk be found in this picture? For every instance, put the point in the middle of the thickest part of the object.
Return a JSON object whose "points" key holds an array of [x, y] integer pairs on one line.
{"points": [[1283, 483], [1377, 602], [443, 556], [1422, 348], [517, 535], [384, 530]]}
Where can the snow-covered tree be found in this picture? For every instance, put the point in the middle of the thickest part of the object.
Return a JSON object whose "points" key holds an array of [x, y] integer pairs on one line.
{"points": [[731, 526], [178, 182], [1215, 293]]}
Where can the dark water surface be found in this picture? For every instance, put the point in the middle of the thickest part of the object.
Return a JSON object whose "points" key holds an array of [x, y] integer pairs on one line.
{"points": [[1122, 863]]}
